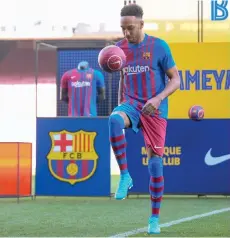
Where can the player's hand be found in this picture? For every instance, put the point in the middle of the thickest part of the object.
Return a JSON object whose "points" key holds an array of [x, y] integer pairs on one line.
{"points": [[151, 106]]}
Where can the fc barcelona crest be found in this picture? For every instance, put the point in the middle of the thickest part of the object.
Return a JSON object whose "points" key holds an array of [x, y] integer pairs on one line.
{"points": [[89, 76], [146, 55], [72, 157]]}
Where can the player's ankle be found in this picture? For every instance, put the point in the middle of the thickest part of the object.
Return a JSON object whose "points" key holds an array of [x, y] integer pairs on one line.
{"points": [[125, 173]]}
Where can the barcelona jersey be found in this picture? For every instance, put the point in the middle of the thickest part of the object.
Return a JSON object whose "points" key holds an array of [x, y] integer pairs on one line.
{"points": [[144, 72], [82, 88]]}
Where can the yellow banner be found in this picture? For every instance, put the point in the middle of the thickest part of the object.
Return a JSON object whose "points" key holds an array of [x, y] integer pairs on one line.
{"points": [[205, 79]]}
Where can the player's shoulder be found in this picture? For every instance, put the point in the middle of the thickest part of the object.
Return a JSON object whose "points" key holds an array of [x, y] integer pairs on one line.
{"points": [[122, 43], [97, 73], [158, 42]]}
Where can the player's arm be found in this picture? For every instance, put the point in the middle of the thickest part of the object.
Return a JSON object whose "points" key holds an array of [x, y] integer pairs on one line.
{"points": [[64, 89], [121, 88], [173, 83], [100, 86], [170, 69]]}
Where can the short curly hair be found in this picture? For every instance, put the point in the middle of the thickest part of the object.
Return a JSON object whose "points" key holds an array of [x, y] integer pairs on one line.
{"points": [[132, 10]]}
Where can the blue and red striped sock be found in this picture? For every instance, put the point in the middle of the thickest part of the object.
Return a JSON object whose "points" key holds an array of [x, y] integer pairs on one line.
{"points": [[118, 141], [156, 184]]}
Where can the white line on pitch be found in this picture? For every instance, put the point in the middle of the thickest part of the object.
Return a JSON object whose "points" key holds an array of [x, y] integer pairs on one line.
{"points": [[171, 223]]}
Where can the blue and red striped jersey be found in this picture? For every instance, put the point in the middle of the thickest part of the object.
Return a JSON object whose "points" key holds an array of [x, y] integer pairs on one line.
{"points": [[145, 71], [82, 90]]}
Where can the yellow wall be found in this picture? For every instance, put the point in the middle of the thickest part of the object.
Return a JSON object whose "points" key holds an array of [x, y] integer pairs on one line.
{"points": [[205, 79]]}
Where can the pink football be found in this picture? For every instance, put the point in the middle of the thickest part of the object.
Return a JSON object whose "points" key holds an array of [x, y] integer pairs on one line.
{"points": [[112, 59], [196, 113]]}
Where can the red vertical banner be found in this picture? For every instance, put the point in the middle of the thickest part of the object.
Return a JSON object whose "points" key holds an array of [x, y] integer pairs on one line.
{"points": [[15, 169]]}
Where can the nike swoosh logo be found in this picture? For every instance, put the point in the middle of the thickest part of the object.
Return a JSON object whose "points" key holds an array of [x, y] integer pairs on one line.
{"points": [[210, 160], [117, 62], [157, 147]]}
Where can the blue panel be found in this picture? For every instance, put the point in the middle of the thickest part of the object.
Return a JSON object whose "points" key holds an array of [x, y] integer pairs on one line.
{"points": [[187, 163], [49, 179]]}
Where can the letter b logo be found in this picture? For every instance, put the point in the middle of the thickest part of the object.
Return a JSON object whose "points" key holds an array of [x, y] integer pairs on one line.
{"points": [[219, 11]]}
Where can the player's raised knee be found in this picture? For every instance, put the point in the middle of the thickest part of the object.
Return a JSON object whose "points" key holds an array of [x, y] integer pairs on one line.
{"points": [[116, 118]]}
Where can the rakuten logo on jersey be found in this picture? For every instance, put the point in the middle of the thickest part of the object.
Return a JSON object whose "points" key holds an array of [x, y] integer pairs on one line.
{"points": [[80, 84], [135, 69]]}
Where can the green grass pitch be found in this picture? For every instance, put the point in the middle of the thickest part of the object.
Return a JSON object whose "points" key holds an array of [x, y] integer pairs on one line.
{"points": [[84, 217]]}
